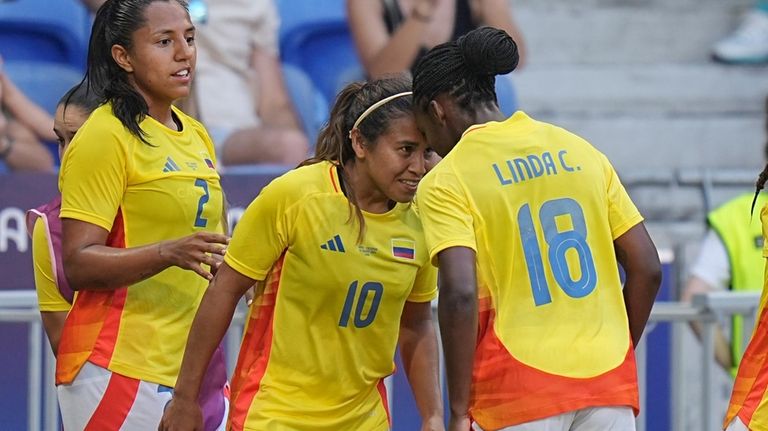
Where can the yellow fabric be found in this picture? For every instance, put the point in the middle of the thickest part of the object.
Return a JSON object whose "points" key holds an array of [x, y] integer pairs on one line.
{"points": [[48, 296], [167, 190], [328, 351], [545, 253]]}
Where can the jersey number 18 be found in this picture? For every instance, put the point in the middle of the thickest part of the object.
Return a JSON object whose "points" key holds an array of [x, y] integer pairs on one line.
{"points": [[559, 243]]}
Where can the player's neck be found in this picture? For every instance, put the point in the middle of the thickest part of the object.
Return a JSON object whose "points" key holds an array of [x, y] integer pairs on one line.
{"points": [[367, 196]]}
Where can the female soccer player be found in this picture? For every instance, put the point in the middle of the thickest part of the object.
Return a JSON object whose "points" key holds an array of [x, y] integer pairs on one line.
{"points": [[526, 222], [748, 409], [54, 296], [345, 275], [141, 215]]}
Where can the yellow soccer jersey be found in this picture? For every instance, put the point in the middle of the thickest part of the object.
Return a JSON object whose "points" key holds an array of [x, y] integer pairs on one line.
{"points": [[541, 208], [48, 296], [142, 194], [321, 337]]}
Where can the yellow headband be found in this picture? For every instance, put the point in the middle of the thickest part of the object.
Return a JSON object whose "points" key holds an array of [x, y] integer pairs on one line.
{"points": [[373, 107]]}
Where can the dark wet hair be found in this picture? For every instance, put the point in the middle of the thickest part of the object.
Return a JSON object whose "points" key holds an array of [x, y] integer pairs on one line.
{"points": [[334, 143], [465, 69], [82, 97], [114, 24]]}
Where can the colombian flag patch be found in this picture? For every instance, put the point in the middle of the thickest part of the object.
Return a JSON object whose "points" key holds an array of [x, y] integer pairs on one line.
{"points": [[404, 248]]}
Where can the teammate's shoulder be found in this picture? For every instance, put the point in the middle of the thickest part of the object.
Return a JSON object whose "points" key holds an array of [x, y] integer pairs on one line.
{"points": [[305, 181], [102, 118]]}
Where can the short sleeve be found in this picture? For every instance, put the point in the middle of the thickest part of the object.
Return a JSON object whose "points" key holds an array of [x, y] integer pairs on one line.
{"points": [[262, 234], [94, 175], [48, 296], [425, 284], [622, 212], [445, 214]]}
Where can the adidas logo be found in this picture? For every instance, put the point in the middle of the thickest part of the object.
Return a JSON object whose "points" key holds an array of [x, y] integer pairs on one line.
{"points": [[333, 244], [170, 165]]}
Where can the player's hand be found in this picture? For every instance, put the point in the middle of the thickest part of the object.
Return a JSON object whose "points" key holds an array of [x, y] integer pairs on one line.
{"points": [[191, 252], [459, 423], [181, 415], [249, 295], [433, 424]]}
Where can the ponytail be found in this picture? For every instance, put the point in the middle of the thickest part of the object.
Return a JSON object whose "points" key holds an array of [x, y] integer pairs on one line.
{"points": [[334, 143]]}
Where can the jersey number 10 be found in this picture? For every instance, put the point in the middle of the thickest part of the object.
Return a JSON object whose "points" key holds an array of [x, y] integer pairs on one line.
{"points": [[559, 243], [370, 287]]}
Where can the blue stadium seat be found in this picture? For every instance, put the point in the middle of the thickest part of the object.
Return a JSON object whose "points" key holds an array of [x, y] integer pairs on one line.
{"points": [[310, 104], [43, 83], [44, 30], [315, 38]]}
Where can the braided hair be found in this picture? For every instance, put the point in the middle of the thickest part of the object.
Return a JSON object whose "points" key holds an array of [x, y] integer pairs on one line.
{"points": [[763, 177], [465, 69]]}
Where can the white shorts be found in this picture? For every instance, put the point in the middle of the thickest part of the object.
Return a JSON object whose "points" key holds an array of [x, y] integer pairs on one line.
{"points": [[616, 418], [737, 425], [101, 400]]}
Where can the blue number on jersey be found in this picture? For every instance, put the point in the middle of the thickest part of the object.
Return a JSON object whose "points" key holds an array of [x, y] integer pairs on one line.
{"points": [[359, 321], [200, 221], [559, 243]]}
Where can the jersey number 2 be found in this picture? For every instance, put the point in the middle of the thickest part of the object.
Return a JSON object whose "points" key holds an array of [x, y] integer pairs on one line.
{"points": [[559, 243], [370, 287], [201, 221]]}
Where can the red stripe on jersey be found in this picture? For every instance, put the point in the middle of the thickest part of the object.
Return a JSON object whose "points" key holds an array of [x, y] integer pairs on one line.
{"points": [[91, 314], [332, 172], [105, 344], [506, 392], [751, 383], [115, 404], [472, 129], [384, 401], [254, 350]]}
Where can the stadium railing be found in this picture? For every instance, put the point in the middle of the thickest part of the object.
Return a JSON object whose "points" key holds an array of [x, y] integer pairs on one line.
{"points": [[21, 306]]}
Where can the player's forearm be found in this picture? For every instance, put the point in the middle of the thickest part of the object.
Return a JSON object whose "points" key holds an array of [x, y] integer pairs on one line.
{"points": [[27, 112], [400, 51], [457, 313], [211, 323], [99, 267], [418, 349], [639, 293]]}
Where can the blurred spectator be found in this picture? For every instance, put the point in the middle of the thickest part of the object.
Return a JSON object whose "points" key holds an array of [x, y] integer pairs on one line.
{"points": [[239, 93], [390, 41], [731, 257], [23, 125], [748, 44]]}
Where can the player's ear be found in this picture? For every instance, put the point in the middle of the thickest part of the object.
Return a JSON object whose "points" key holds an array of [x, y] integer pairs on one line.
{"points": [[122, 58], [358, 144], [436, 112]]}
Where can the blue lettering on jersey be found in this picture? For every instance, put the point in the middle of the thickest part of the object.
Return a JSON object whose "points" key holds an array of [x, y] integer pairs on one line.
{"points": [[530, 167]]}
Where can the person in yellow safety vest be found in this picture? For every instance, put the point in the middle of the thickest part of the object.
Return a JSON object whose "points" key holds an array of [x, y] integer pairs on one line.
{"points": [[730, 258]]}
